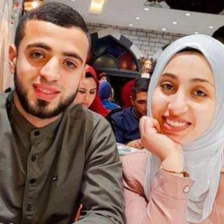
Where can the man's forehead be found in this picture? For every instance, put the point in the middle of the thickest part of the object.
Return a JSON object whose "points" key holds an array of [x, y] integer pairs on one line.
{"points": [[141, 95], [68, 39]]}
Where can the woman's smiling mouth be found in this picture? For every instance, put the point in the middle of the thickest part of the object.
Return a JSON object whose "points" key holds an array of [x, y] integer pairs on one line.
{"points": [[174, 124]]}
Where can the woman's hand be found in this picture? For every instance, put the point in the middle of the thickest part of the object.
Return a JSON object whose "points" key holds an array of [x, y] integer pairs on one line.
{"points": [[135, 144], [169, 152]]}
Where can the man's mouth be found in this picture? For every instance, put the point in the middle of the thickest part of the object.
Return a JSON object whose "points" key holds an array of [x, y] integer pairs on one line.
{"points": [[45, 93]]}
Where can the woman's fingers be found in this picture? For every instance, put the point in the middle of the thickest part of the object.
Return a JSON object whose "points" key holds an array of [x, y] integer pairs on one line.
{"points": [[148, 126]]}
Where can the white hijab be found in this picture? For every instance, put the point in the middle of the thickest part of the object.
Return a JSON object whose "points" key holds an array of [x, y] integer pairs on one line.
{"points": [[204, 156]]}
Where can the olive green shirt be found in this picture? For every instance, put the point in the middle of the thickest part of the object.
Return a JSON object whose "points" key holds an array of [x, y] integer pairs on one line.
{"points": [[46, 173]]}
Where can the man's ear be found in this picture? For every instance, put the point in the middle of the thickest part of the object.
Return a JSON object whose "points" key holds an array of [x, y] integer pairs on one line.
{"points": [[12, 58], [132, 100]]}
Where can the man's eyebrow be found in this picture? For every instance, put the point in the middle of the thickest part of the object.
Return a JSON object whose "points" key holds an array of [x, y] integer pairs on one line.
{"points": [[40, 45], [46, 47], [73, 55]]}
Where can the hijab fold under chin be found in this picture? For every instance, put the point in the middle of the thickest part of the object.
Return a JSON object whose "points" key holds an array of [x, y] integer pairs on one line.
{"points": [[203, 157]]}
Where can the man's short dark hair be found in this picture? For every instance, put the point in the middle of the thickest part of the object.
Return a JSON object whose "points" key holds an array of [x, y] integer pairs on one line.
{"points": [[219, 34], [53, 12], [140, 85]]}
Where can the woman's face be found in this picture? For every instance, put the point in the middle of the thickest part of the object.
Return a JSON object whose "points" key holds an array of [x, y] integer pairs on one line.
{"points": [[184, 99], [86, 92]]}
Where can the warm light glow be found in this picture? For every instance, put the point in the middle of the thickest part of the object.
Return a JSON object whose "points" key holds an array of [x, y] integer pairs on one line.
{"points": [[29, 4], [96, 6], [35, 4]]}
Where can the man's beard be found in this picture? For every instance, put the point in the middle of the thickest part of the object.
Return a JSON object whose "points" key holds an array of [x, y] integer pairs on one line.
{"points": [[40, 108]]}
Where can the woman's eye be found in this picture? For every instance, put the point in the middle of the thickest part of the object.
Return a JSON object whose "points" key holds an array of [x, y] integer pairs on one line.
{"points": [[167, 86], [37, 55], [200, 93], [81, 91], [70, 64], [92, 93]]}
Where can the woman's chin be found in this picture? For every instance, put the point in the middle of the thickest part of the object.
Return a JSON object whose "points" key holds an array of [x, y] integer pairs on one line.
{"points": [[178, 139]]}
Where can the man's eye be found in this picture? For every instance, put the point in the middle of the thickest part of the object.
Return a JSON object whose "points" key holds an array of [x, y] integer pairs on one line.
{"points": [[70, 64], [199, 93], [37, 55]]}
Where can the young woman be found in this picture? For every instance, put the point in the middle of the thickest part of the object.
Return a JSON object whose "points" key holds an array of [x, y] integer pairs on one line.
{"points": [[183, 135], [88, 93]]}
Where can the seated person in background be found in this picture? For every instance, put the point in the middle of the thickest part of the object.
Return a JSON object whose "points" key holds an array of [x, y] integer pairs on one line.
{"points": [[105, 93], [88, 93], [147, 66], [125, 123]]}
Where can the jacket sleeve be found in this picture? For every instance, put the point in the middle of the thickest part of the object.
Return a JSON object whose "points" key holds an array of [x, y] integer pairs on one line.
{"points": [[168, 195], [102, 187], [116, 124]]}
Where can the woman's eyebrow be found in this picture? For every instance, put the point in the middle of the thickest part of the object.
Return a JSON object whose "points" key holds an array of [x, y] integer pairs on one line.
{"points": [[168, 75], [202, 80], [193, 80]]}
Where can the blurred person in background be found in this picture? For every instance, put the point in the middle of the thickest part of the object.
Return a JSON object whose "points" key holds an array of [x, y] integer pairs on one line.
{"points": [[88, 93], [125, 123], [106, 96]]}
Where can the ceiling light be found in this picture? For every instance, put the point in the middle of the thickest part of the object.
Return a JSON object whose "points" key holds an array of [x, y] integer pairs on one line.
{"points": [[187, 14], [146, 9], [96, 6], [73, 0], [211, 27], [137, 17], [130, 24], [174, 23], [163, 29], [196, 33], [31, 4]]}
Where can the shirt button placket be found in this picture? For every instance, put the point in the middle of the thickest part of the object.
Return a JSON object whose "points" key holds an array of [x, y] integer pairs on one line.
{"points": [[31, 183]]}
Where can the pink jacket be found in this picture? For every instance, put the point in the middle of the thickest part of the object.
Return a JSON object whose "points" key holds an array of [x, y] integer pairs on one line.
{"points": [[168, 195]]}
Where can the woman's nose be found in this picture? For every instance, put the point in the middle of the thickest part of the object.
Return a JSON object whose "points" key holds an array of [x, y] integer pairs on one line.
{"points": [[178, 104], [86, 96]]}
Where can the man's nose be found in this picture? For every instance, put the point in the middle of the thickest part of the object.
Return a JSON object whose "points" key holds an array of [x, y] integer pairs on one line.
{"points": [[51, 70], [178, 103]]}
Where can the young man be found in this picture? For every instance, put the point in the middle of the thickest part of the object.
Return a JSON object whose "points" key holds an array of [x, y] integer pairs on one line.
{"points": [[125, 123], [54, 156]]}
